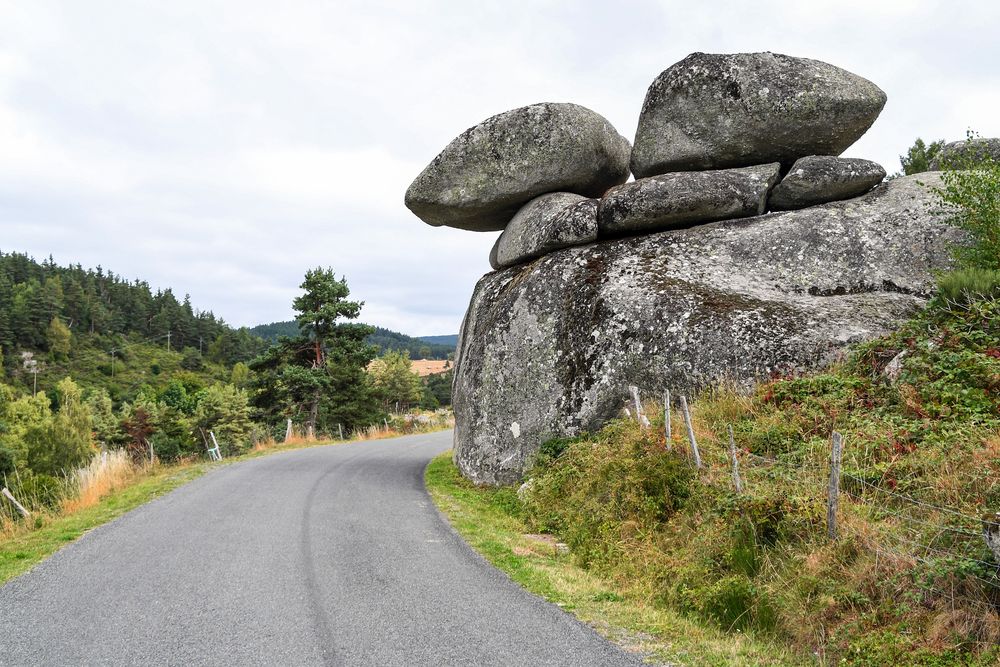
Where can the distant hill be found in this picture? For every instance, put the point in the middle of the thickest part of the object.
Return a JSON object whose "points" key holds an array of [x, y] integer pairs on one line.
{"points": [[450, 339], [428, 347], [275, 330]]}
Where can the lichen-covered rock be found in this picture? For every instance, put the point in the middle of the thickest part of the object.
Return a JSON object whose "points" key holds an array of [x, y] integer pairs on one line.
{"points": [[480, 180], [550, 222], [685, 198], [549, 348], [819, 179], [960, 154], [734, 110]]}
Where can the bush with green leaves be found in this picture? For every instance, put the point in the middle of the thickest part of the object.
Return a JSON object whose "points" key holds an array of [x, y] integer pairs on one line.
{"points": [[970, 192], [224, 410], [596, 492]]}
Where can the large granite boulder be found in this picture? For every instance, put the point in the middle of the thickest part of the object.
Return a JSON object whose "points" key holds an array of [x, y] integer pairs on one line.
{"points": [[684, 198], [550, 222], [480, 180], [819, 179], [735, 110], [549, 348], [961, 154]]}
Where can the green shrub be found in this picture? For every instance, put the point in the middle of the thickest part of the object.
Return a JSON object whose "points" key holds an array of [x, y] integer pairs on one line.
{"points": [[599, 493], [971, 194], [166, 448], [6, 463]]}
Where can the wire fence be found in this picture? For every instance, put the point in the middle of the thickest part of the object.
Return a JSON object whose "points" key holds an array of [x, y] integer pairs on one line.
{"points": [[947, 541]]}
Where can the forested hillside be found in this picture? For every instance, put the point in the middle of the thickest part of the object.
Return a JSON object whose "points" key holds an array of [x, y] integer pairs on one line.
{"points": [[43, 307], [427, 347], [450, 339]]}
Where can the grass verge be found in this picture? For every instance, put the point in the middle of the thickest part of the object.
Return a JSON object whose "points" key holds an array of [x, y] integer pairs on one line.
{"points": [[25, 544], [491, 521]]}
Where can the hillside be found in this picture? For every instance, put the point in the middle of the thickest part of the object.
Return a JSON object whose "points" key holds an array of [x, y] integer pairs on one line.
{"points": [[427, 347], [105, 331], [450, 339]]}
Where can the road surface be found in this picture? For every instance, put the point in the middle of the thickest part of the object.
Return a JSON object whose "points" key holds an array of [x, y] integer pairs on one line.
{"points": [[323, 556]]}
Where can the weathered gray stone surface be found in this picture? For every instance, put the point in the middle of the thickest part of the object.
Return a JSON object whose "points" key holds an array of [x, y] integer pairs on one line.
{"points": [[963, 153], [549, 348], [819, 179], [684, 198], [712, 111], [480, 180], [550, 222]]}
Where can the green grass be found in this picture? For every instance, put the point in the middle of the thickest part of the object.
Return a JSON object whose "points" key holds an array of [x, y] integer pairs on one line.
{"points": [[22, 551], [491, 521]]}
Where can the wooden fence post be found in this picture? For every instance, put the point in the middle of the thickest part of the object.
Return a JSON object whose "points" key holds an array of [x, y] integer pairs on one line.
{"points": [[666, 419], [833, 493], [737, 482], [288, 431], [20, 508], [690, 430], [340, 429]]}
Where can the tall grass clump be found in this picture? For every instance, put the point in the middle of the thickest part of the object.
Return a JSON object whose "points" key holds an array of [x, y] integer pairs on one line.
{"points": [[965, 286], [107, 472]]}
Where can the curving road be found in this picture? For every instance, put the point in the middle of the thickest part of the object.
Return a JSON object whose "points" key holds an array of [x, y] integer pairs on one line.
{"points": [[324, 556]]}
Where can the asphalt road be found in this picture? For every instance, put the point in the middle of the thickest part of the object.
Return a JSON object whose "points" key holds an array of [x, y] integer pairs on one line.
{"points": [[323, 556]]}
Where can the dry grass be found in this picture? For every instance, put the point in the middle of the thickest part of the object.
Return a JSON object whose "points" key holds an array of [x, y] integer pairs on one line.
{"points": [[106, 473], [425, 367]]}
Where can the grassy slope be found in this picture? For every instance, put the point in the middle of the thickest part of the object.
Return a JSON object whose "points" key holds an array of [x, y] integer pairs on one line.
{"points": [[491, 521], [904, 583], [143, 363]]}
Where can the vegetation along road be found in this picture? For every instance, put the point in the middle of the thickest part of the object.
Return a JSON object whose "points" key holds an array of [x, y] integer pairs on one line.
{"points": [[330, 555]]}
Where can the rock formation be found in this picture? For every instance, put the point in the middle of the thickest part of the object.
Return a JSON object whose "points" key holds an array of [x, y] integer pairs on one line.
{"points": [[680, 279], [957, 153], [680, 199], [480, 180], [549, 348], [546, 223], [819, 179], [735, 110]]}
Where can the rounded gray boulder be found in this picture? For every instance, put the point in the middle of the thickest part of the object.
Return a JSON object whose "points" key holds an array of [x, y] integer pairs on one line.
{"points": [[714, 111], [819, 179], [550, 222], [686, 198], [961, 154], [481, 179]]}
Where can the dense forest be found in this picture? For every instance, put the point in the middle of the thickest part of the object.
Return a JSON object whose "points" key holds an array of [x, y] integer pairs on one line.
{"points": [[428, 347], [41, 302]]}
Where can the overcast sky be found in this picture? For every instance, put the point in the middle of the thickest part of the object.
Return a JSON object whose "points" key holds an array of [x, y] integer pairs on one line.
{"points": [[221, 148]]}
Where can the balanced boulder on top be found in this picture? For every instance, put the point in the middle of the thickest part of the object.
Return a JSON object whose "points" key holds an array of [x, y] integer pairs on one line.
{"points": [[481, 179], [735, 110]]}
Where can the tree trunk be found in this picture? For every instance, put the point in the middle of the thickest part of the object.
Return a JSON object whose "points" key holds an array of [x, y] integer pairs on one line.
{"points": [[313, 417]]}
